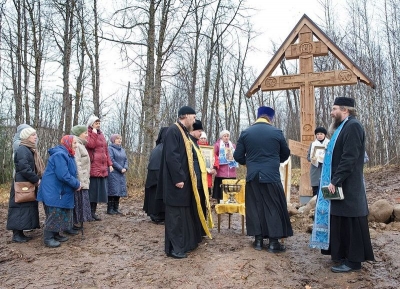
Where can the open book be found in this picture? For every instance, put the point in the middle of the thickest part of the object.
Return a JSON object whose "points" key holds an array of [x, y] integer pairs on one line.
{"points": [[338, 195]]}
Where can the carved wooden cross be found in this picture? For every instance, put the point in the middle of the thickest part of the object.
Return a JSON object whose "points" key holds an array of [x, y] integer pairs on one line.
{"points": [[305, 50], [306, 81]]}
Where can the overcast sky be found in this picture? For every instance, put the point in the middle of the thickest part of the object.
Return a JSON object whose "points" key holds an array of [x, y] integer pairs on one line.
{"points": [[274, 19]]}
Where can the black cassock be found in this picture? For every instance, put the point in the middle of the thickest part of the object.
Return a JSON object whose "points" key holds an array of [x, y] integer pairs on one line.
{"points": [[182, 223]]}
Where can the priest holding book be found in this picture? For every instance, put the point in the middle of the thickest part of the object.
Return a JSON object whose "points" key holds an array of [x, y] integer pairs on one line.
{"points": [[341, 226]]}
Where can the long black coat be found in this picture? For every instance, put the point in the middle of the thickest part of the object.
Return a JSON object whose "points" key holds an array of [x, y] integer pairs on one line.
{"points": [[262, 147], [23, 216], [151, 205], [174, 169], [347, 170]]}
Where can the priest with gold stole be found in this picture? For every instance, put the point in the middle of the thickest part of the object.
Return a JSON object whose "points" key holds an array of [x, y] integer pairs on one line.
{"points": [[184, 217]]}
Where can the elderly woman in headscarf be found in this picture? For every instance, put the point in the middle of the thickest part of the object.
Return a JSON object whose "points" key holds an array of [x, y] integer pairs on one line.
{"points": [[153, 207], [116, 178], [29, 167], [226, 165], [100, 165], [82, 210], [57, 191]]}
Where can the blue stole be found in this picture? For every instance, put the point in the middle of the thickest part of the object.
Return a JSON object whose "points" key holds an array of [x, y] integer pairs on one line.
{"points": [[321, 229]]}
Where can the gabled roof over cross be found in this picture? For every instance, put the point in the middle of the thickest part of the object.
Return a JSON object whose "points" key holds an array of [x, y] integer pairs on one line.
{"points": [[300, 45], [290, 50]]}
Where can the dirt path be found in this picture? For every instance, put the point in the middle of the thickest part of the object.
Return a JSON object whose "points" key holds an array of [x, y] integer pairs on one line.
{"points": [[127, 252]]}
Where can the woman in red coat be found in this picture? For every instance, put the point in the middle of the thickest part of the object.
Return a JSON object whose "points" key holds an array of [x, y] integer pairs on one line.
{"points": [[100, 164]]}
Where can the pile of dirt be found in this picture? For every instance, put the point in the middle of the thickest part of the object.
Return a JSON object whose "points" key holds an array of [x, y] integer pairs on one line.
{"points": [[128, 252]]}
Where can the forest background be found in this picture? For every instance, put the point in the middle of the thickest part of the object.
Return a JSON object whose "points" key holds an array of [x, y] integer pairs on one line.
{"points": [[175, 53]]}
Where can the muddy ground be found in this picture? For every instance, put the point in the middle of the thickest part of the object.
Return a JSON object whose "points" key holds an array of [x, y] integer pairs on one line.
{"points": [[127, 252]]}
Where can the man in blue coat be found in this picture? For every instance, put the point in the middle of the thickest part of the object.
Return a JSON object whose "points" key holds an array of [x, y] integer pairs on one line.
{"points": [[262, 147]]}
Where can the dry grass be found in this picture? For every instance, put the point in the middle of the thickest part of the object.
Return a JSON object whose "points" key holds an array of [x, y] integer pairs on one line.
{"points": [[4, 193]]}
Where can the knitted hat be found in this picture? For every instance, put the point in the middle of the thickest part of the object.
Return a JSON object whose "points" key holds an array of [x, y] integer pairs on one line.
{"points": [[26, 132], [92, 119], [186, 110], [344, 101], [203, 135], [321, 130], [114, 136], [197, 125], [78, 130], [21, 127], [266, 110], [224, 132]]}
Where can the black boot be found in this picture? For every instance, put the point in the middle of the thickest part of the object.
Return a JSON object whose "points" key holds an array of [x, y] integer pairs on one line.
{"points": [[93, 207], [26, 237], [275, 246], [60, 238], [71, 232], [110, 206], [258, 243], [48, 239], [19, 237], [116, 206]]}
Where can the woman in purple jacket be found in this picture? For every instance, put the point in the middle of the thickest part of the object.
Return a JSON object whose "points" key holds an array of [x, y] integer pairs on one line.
{"points": [[116, 179]]}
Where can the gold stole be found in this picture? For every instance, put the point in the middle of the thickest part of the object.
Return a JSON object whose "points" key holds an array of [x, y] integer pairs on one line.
{"points": [[188, 145], [262, 120]]}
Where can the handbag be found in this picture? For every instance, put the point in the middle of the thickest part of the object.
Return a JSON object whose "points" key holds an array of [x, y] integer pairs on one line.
{"points": [[24, 192]]}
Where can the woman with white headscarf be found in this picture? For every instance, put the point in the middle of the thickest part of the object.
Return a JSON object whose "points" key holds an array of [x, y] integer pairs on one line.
{"points": [[226, 168]]}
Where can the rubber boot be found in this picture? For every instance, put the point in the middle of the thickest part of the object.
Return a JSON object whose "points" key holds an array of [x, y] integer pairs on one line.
{"points": [[49, 241], [116, 206], [18, 236], [71, 232], [25, 237], [60, 238], [110, 206], [93, 207]]}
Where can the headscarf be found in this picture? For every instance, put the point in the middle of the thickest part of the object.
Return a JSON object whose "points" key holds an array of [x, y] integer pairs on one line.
{"points": [[224, 132], [114, 137], [16, 138], [92, 119], [67, 141], [78, 130], [39, 164]]}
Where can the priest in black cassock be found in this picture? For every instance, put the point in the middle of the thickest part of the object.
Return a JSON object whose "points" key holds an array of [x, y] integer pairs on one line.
{"points": [[154, 207], [262, 147], [178, 186]]}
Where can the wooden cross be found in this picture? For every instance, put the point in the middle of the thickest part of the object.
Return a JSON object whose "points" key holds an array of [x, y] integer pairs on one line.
{"points": [[305, 50]]}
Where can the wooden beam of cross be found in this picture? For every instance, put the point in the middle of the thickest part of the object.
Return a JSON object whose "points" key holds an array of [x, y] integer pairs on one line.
{"points": [[307, 80]]}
